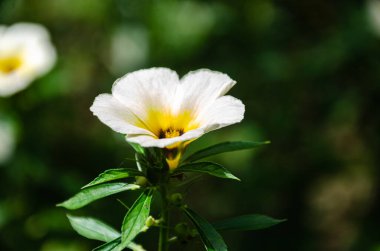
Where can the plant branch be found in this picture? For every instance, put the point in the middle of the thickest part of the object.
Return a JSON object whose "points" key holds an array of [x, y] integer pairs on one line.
{"points": [[163, 243]]}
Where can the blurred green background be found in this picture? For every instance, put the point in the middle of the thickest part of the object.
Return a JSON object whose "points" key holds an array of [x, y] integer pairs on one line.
{"points": [[307, 71]]}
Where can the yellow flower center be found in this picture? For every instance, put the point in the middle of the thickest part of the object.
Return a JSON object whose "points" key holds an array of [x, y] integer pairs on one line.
{"points": [[9, 64], [164, 124], [170, 133]]}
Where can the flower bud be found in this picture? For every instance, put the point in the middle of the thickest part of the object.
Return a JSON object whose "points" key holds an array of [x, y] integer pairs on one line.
{"points": [[176, 199]]}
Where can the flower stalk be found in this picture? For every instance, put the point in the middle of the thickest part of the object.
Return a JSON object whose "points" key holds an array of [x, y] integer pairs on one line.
{"points": [[163, 242]]}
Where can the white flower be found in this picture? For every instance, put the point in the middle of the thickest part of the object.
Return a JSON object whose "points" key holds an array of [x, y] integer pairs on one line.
{"points": [[155, 108], [25, 54]]}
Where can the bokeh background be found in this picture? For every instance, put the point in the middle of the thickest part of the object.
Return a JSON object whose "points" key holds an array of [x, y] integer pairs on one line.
{"points": [[307, 71]]}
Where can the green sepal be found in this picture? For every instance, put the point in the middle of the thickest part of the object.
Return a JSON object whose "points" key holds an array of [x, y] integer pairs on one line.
{"points": [[134, 220], [222, 148], [210, 168], [247, 222], [90, 194], [114, 174], [212, 240], [137, 148]]}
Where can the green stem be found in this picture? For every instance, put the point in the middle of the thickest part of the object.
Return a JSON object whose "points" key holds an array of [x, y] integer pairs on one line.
{"points": [[163, 244]]}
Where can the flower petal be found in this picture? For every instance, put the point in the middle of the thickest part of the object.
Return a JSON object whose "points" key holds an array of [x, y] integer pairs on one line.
{"points": [[149, 141], [19, 31], [12, 83], [146, 103], [225, 111], [39, 58], [199, 89], [3, 28], [146, 92], [116, 115]]}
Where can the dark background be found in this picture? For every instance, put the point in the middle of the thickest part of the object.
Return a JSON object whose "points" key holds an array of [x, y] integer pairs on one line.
{"points": [[307, 71]]}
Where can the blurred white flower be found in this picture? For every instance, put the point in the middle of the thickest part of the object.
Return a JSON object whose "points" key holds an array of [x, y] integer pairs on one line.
{"points": [[7, 140], [25, 54], [155, 108], [373, 10]]}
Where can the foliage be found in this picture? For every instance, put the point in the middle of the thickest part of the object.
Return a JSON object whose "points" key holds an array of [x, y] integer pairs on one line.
{"points": [[307, 71], [136, 219]]}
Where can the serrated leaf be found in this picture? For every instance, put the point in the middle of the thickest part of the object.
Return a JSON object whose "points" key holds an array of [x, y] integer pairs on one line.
{"points": [[206, 167], [223, 147], [247, 222], [93, 228], [93, 193], [212, 240], [114, 174], [134, 220]]}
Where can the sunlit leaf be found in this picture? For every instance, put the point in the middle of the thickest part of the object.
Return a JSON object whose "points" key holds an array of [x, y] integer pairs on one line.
{"points": [[212, 240], [109, 245], [115, 245], [247, 222], [134, 220], [93, 193], [223, 147], [206, 167], [93, 229], [134, 247], [137, 148], [114, 174]]}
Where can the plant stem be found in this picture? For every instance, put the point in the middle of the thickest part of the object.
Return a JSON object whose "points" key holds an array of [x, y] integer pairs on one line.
{"points": [[163, 244]]}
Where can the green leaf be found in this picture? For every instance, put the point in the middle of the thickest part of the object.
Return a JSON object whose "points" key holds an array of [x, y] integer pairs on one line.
{"points": [[247, 222], [109, 245], [223, 147], [114, 174], [206, 167], [210, 237], [134, 220], [115, 245], [93, 193], [93, 229], [133, 246]]}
